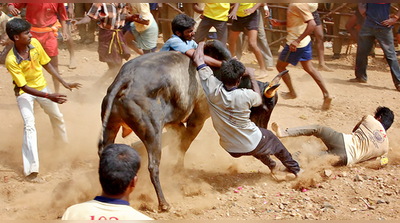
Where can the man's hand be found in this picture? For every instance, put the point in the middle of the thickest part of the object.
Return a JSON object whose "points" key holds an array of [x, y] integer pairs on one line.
{"points": [[57, 98], [198, 55], [232, 16], [274, 22], [266, 14], [389, 22], [293, 45], [71, 13], [72, 85], [249, 11], [13, 11]]}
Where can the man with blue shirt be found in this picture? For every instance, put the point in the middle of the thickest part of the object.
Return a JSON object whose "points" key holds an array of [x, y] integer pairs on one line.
{"points": [[378, 25], [118, 169], [182, 39]]}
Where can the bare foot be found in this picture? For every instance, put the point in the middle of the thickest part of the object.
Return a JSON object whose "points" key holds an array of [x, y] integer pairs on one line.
{"points": [[288, 95], [327, 103], [72, 63], [270, 68], [278, 131], [325, 68], [263, 74]]}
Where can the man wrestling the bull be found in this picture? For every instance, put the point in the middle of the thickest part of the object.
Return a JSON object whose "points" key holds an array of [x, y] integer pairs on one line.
{"points": [[230, 113]]}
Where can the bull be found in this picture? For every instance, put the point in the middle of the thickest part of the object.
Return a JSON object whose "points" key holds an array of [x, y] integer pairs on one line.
{"points": [[163, 89]]}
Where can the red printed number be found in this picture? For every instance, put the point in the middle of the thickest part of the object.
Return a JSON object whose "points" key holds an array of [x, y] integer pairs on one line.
{"points": [[103, 218]]}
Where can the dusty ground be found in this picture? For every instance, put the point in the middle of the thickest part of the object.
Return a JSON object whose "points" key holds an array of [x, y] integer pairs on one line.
{"points": [[213, 185]]}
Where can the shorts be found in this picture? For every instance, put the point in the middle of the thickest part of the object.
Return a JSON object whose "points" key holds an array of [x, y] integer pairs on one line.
{"points": [[48, 41], [317, 19], [127, 27], [249, 22], [153, 6], [301, 54]]}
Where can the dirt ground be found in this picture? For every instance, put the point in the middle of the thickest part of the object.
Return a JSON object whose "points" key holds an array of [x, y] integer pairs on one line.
{"points": [[213, 185]]}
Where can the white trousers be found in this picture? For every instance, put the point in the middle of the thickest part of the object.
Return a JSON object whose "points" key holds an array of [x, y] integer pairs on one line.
{"points": [[29, 145]]}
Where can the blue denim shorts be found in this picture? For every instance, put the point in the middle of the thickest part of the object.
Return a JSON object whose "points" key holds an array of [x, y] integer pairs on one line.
{"points": [[301, 54]]}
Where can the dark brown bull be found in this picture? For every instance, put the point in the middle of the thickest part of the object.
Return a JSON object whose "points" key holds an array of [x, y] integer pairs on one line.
{"points": [[159, 89]]}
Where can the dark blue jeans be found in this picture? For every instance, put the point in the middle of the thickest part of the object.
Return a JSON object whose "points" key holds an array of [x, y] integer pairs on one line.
{"points": [[366, 38]]}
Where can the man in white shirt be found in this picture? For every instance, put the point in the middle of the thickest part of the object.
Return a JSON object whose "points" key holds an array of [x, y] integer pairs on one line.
{"points": [[230, 113], [368, 139], [118, 177]]}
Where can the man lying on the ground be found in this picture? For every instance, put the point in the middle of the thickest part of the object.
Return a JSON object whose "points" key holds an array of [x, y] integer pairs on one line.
{"points": [[368, 139]]}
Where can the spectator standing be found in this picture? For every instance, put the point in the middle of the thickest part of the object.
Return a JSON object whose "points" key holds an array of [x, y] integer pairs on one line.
{"points": [[247, 21], [43, 17], [112, 47], [319, 38], [25, 63], [143, 29], [86, 31], [378, 25], [215, 15], [4, 40]]}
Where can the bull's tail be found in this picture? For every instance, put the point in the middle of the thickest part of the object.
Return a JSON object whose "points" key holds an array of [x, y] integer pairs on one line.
{"points": [[111, 95]]}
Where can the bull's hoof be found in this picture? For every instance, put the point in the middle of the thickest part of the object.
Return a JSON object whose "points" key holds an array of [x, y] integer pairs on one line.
{"points": [[164, 207]]}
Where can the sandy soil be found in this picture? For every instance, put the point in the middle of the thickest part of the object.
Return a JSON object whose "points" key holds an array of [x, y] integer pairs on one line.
{"points": [[213, 185]]}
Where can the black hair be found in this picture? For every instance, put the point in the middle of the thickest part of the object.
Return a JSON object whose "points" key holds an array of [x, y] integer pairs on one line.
{"points": [[386, 116], [181, 23], [231, 71], [118, 166], [16, 26]]}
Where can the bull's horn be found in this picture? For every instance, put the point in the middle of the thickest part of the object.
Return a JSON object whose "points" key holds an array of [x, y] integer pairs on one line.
{"points": [[270, 91], [277, 78]]}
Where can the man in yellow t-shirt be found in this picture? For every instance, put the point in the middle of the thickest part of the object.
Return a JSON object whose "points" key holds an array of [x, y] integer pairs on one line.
{"points": [[24, 62], [247, 21], [368, 139], [118, 169], [215, 15]]}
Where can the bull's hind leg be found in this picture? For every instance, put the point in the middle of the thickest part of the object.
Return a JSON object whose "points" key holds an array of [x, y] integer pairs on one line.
{"points": [[148, 128]]}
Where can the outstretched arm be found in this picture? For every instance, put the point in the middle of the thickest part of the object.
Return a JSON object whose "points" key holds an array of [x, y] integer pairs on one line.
{"points": [[49, 68], [56, 97]]}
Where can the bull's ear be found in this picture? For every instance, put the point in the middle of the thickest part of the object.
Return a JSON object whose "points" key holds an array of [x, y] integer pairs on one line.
{"points": [[270, 91]]}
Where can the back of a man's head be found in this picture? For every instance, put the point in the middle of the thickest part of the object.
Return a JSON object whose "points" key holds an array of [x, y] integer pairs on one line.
{"points": [[386, 115], [118, 166], [181, 23], [16, 26], [231, 71]]}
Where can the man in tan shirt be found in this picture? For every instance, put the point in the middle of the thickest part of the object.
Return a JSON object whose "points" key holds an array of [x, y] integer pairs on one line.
{"points": [[368, 139]]}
